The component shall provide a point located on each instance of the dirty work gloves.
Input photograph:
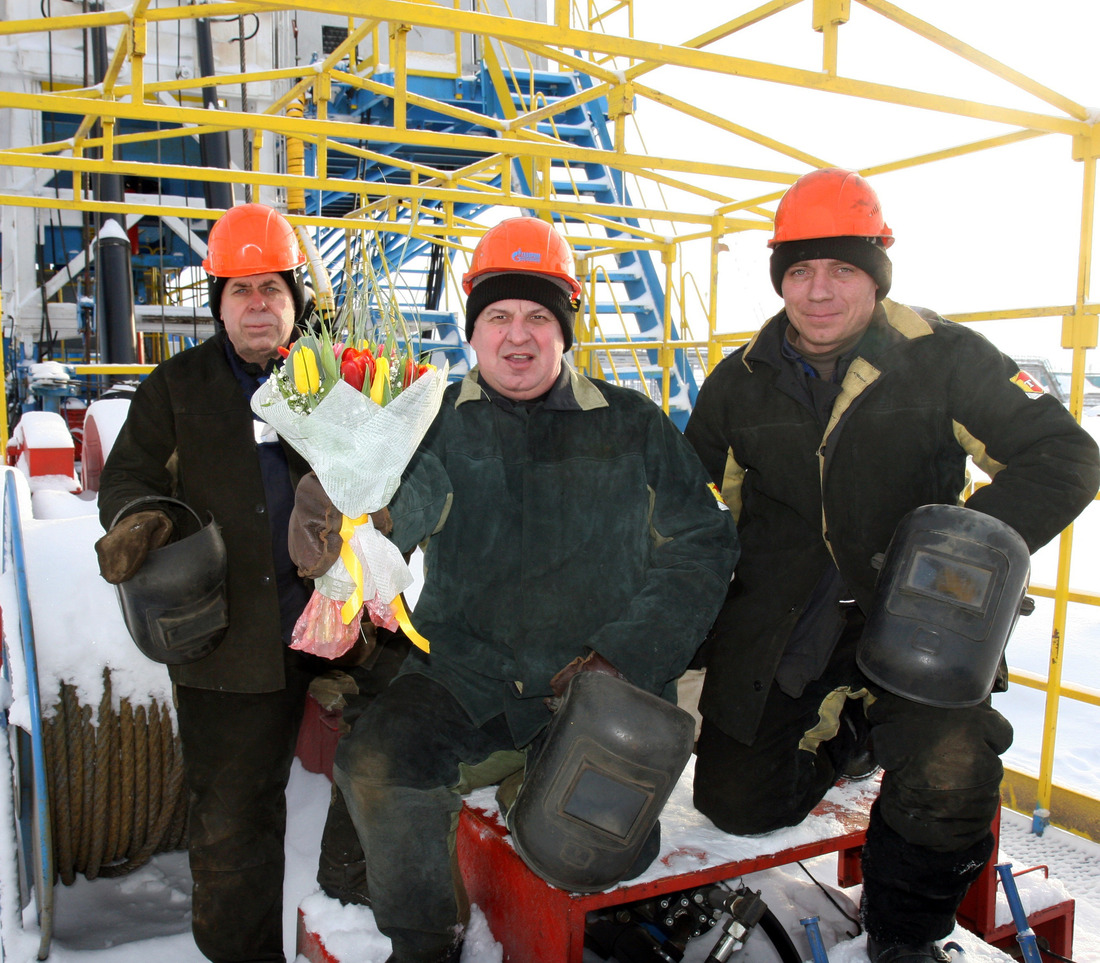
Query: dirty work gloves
(314, 535)
(123, 549)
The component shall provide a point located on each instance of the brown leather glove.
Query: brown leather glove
(314, 534)
(593, 662)
(382, 521)
(123, 549)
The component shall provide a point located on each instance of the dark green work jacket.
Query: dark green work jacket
(583, 521)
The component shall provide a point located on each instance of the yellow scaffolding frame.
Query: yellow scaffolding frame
(594, 36)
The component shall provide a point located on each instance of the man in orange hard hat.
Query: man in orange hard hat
(846, 414)
(191, 434)
(565, 522)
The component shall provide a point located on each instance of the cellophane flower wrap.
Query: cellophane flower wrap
(356, 409)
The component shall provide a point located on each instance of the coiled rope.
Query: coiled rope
(116, 788)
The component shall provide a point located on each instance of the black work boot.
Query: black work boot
(854, 753)
(905, 952)
(342, 867)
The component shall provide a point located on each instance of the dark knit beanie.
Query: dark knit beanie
(522, 286)
(293, 281)
(862, 252)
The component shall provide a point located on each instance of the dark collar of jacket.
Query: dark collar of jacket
(891, 324)
(571, 392)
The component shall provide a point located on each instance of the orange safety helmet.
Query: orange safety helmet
(831, 202)
(523, 244)
(251, 239)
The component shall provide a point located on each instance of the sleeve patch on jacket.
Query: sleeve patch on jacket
(718, 496)
(1027, 384)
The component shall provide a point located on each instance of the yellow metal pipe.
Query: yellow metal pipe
(1078, 337)
(1047, 592)
(519, 32)
(447, 110)
(113, 369)
(108, 140)
(666, 353)
(951, 152)
(1032, 680)
(399, 33)
(722, 123)
(257, 146)
(79, 21)
(520, 146)
(714, 350)
(1071, 810)
(137, 60)
(978, 58)
(295, 163)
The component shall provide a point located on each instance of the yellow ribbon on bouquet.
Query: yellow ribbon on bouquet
(355, 601)
(353, 565)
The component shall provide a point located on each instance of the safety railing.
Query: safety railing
(34, 827)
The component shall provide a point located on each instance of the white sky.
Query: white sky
(993, 230)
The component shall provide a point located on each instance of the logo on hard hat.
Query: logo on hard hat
(520, 256)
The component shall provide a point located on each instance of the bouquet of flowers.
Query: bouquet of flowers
(355, 402)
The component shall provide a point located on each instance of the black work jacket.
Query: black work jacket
(190, 434)
(919, 396)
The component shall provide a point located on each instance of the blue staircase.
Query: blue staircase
(413, 269)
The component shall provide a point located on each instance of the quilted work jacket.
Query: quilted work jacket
(189, 433)
(919, 396)
(583, 521)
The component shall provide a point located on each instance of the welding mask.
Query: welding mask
(176, 607)
(949, 592)
(588, 803)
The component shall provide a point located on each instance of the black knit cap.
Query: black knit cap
(865, 253)
(293, 281)
(520, 285)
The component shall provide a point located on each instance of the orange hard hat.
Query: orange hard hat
(251, 239)
(526, 245)
(831, 202)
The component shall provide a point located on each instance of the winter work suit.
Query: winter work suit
(578, 521)
(190, 433)
(818, 475)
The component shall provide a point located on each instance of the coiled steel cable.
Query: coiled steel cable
(116, 787)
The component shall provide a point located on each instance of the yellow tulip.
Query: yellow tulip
(381, 376)
(306, 377)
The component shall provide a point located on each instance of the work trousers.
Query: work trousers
(237, 753)
(929, 834)
(403, 768)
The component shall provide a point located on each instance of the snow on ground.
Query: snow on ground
(145, 916)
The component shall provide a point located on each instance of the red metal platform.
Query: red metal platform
(538, 923)
(1053, 924)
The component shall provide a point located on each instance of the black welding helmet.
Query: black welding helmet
(949, 592)
(176, 608)
(588, 803)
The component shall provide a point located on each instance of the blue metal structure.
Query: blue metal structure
(410, 259)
